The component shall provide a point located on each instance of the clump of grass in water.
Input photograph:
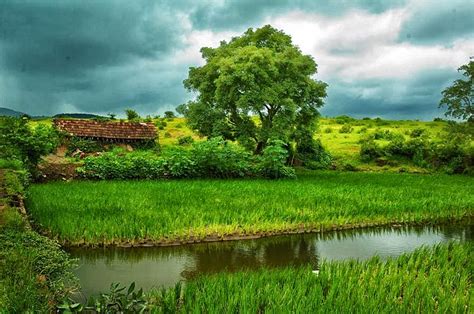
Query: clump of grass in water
(113, 211)
(432, 280)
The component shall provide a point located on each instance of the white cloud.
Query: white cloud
(363, 45)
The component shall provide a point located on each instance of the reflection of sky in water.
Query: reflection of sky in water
(383, 245)
(96, 275)
(165, 266)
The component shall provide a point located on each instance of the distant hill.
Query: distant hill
(77, 115)
(10, 113)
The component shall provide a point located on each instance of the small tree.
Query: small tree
(459, 98)
(169, 114)
(132, 115)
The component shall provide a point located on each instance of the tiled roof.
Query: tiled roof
(107, 130)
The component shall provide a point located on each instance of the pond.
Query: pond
(152, 267)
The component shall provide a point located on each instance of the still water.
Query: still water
(152, 267)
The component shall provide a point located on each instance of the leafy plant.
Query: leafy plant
(185, 140)
(273, 161)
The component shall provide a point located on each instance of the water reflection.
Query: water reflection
(164, 266)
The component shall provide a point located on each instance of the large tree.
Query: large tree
(256, 87)
(459, 98)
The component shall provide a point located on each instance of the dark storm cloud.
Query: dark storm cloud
(108, 55)
(416, 97)
(440, 23)
(53, 49)
(231, 14)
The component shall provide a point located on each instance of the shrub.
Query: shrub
(343, 119)
(20, 142)
(169, 114)
(84, 145)
(328, 130)
(369, 150)
(312, 153)
(417, 132)
(132, 115)
(221, 159)
(346, 128)
(185, 140)
(273, 160)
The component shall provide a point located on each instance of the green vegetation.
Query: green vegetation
(35, 274)
(214, 158)
(116, 211)
(24, 144)
(459, 98)
(260, 74)
(434, 280)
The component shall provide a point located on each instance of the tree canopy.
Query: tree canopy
(459, 98)
(256, 87)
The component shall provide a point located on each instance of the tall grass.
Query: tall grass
(112, 211)
(430, 280)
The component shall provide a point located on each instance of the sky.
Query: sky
(387, 59)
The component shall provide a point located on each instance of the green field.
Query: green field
(129, 211)
(344, 147)
(430, 280)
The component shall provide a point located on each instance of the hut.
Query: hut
(108, 132)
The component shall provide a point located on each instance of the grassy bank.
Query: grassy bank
(120, 211)
(35, 274)
(430, 280)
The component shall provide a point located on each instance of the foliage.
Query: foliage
(34, 271)
(260, 73)
(436, 279)
(19, 141)
(117, 300)
(84, 145)
(273, 161)
(451, 156)
(417, 132)
(346, 128)
(132, 115)
(312, 153)
(343, 119)
(217, 158)
(212, 158)
(169, 114)
(185, 140)
(179, 209)
(459, 98)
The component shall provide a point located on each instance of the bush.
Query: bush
(312, 153)
(221, 159)
(273, 160)
(328, 130)
(185, 140)
(213, 158)
(132, 115)
(84, 145)
(363, 130)
(20, 142)
(346, 128)
(448, 155)
(369, 150)
(344, 119)
(34, 270)
(417, 132)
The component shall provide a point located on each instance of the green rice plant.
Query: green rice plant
(430, 280)
(164, 210)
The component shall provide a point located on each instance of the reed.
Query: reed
(430, 280)
(116, 211)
